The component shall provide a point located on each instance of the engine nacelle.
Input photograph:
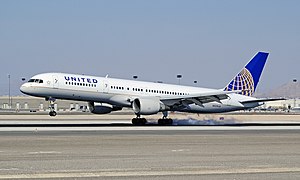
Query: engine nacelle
(147, 106)
(102, 108)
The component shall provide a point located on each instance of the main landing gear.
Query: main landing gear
(138, 121)
(165, 120)
(51, 107)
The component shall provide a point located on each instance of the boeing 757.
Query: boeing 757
(105, 94)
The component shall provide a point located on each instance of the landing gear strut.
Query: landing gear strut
(51, 107)
(138, 121)
(165, 120)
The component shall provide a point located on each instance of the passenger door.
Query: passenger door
(105, 86)
(55, 81)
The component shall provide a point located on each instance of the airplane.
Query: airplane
(105, 94)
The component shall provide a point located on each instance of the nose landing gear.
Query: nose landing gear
(51, 107)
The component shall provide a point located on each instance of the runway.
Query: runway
(117, 150)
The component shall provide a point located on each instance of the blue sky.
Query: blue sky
(208, 41)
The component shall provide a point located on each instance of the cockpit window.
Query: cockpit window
(36, 80)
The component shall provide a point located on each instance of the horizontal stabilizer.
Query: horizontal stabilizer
(263, 100)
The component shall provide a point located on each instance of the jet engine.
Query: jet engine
(102, 108)
(147, 106)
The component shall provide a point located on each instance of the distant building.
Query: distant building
(28, 103)
(288, 104)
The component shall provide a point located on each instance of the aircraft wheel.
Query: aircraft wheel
(52, 113)
(160, 122)
(165, 121)
(134, 121)
(170, 121)
(139, 121)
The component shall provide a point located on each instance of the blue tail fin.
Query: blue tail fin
(248, 78)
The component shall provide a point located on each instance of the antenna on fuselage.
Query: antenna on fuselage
(106, 76)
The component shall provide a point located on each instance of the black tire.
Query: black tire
(143, 121)
(52, 113)
(161, 122)
(134, 121)
(164, 122)
(170, 121)
(139, 121)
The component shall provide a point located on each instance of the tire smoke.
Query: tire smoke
(206, 122)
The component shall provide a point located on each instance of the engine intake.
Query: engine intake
(146, 106)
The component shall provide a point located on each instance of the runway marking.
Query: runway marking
(9, 169)
(147, 128)
(144, 172)
(180, 150)
(44, 152)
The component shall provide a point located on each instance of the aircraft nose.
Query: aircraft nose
(24, 88)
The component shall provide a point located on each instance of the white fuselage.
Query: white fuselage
(121, 93)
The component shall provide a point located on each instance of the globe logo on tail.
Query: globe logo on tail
(243, 81)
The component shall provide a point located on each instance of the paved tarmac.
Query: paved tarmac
(117, 150)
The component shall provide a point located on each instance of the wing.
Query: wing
(199, 99)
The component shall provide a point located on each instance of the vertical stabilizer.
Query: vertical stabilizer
(249, 76)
